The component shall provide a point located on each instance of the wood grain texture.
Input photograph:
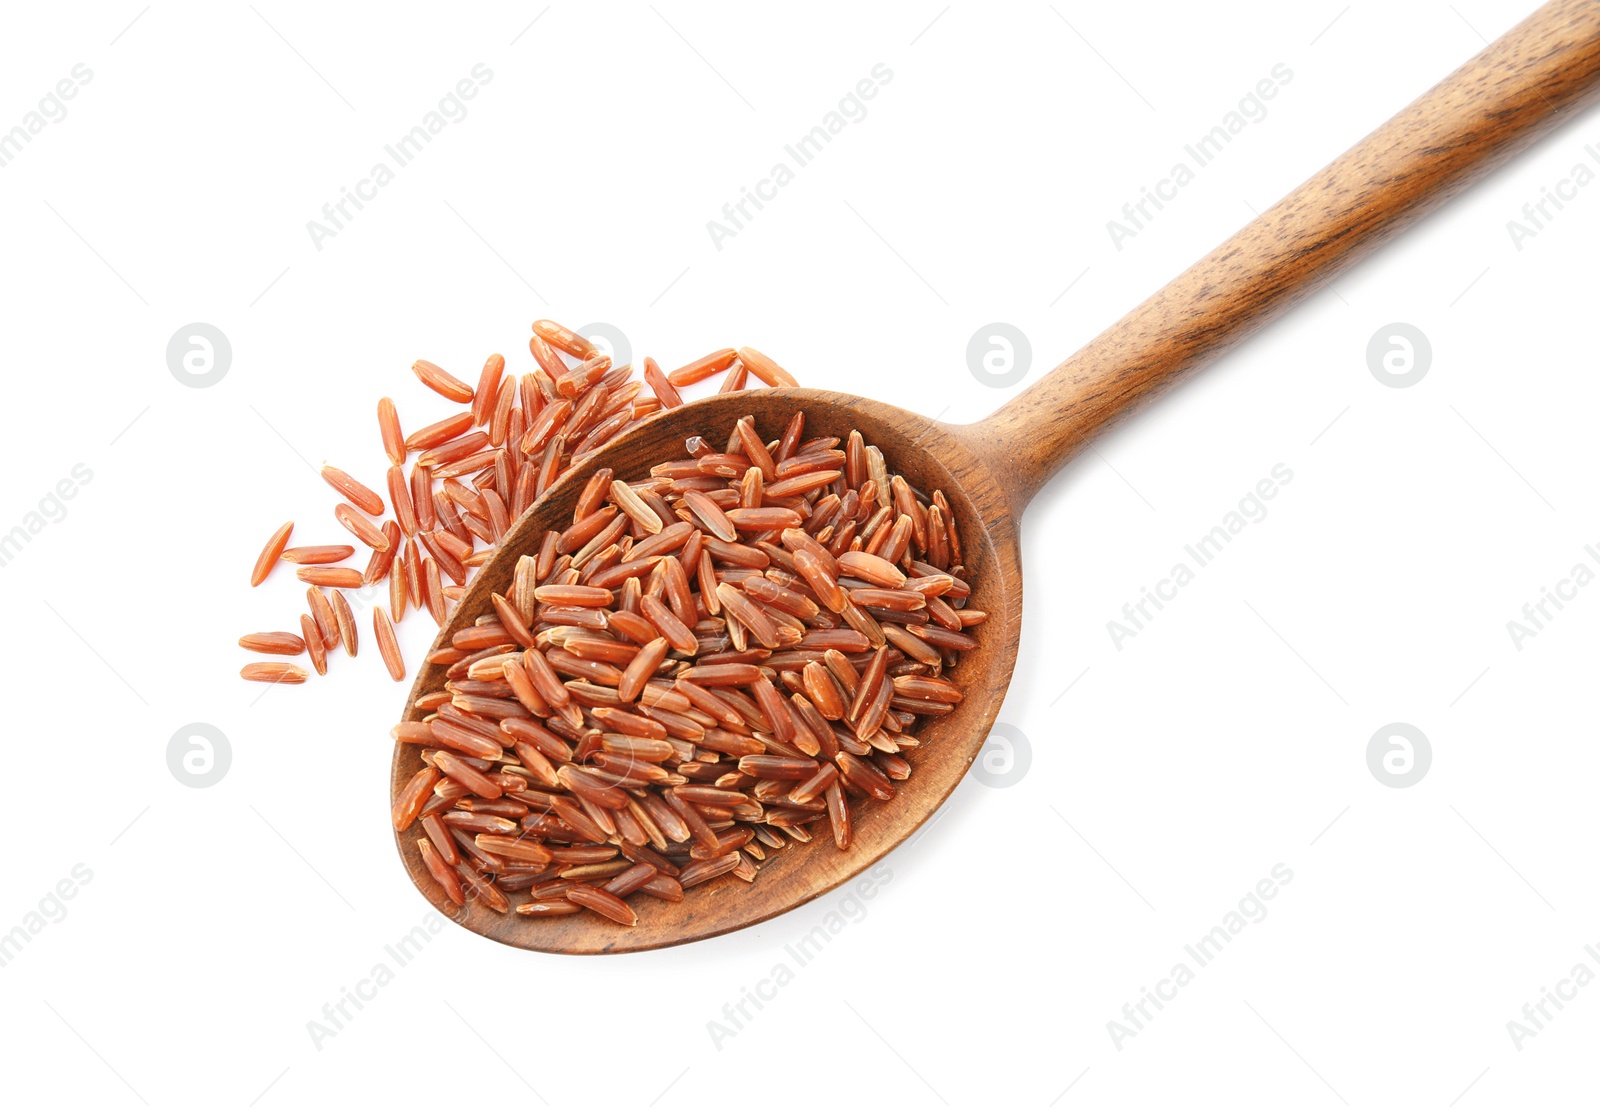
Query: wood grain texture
(930, 458)
(1538, 73)
(1535, 76)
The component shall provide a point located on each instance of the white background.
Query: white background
(1227, 737)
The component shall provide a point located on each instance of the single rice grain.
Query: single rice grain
(277, 641)
(270, 553)
(388, 647)
(319, 554)
(346, 620)
(353, 489)
(314, 644)
(440, 381)
(273, 672)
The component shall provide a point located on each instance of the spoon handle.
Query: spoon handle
(1535, 76)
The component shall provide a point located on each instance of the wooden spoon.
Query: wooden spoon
(1534, 77)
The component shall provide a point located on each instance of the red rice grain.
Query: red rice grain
(440, 432)
(441, 871)
(704, 367)
(346, 620)
(319, 554)
(388, 647)
(367, 533)
(279, 641)
(354, 490)
(270, 553)
(314, 644)
(322, 612)
(563, 338)
(488, 388)
(440, 381)
(329, 576)
(394, 445)
(606, 904)
(763, 368)
(272, 672)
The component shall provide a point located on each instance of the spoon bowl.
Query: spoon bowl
(932, 457)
